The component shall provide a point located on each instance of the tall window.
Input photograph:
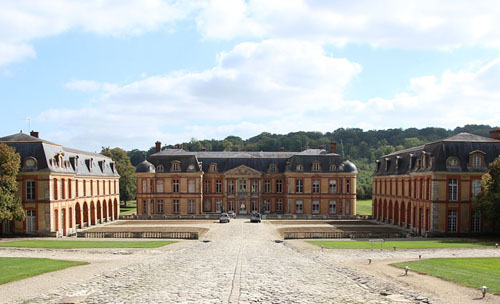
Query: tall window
(316, 186)
(55, 189)
(191, 185)
(242, 186)
(218, 186)
(476, 187)
(30, 190)
(254, 206)
(175, 166)
(255, 186)
(175, 206)
(230, 206)
(315, 166)
(348, 186)
(341, 189)
(267, 186)
(453, 189)
(266, 206)
(84, 188)
(279, 186)
(332, 208)
(340, 207)
(144, 207)
(279, 205)
(144, 186)
(218, 205)
(159, 185)
(230, 186)
(315, 207)
(476, 222)
(207, 205)
(298, 206)
(152, 206)
(299, 186)
(175, 185)
(191, 206)
(332, 186)
(452, 220)
(98, 187)
(347, 207)
(77, 185)
(61, 189)
(206, 186)
(476, 161)
(160, 206)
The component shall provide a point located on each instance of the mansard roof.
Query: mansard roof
(260, 161)
(55, 158)
(436, 154)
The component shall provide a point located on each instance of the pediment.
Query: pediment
(243, 170)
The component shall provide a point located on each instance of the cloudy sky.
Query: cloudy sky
(126, 73)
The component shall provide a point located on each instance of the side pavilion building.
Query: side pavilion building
(175, 182)
(61, 189)
(429, 189)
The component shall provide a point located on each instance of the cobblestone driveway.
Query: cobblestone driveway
(240, 264)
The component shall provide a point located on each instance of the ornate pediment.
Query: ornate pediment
(243, 171)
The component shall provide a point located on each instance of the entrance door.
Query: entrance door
(243, 207)
(30, 221)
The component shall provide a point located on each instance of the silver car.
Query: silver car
(255, 218)
(224, 218)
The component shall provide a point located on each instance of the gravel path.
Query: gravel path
(241, 264)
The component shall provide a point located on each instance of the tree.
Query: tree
(136, 156)
(126, 171)
(488, 201)
(10, 204)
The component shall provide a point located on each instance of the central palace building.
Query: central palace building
(181, 183)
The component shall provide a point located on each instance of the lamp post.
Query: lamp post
(406, 270)
(484, 289)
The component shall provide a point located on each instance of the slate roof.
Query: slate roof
(438, 152)
(73, 161)
(260, 161)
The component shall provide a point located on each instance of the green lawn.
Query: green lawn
(13, 269)
(400, 244)
(364, 207)
(472, 272)
(84, 244)
(129, 209)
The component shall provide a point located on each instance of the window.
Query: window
(254, 205)
(30, 189)
(30, 163)
(144, 186)
(348, 186)
(452, 162)
(242, 186)
(333, 167)
(230, 206)
(279, 186)
(30, 221)
(341, 189)
(191, 185)
(299, 168)
(160, 169)
(476, 222)
(191, 206)
(279, 205)
(315, 207)
(315, 166)
(272, 168)
(332, 186)
(218, 186)
(84, 188)
(175, 186)
(160, 207)
(152, 206)
(340, 207)
(207, 186)
(316, 186)
(298, 206)
(230, 186)
(61, 189)
(207, 205)
(476, 187)
(151, 186)
(267, 186)
(332, 207)
(347, 207)
(159, 185)
(144, 207)
(77, 185)
(299, 186)
(55, 189)
(255, 186)
(453, 189)
(176, 166)
(91, 187)
(218, 205)
(265, 208)
(452, 220)
(477, 161)
(175, 206)
(212, 168)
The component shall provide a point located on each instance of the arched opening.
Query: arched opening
(78, 216)
(384, 210)
(99, 212)
(105, 211)
(86, 218)
(110, 210)
(380, 212)
(116, 209)
(402, 215)
(408, 214)
(390, 218)
(374, 208)
(92, 213)
(396, 213)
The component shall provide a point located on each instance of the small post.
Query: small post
(484, 289)
(406, 270)
(369, 261)
(496, 245)
(419, 256)
(394, 248)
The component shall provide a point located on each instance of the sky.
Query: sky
(88, 74)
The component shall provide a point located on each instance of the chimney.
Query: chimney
(158, 146)
(282, 149)
(495, 134)
(34, 134)
(333, 147)
(203, 149)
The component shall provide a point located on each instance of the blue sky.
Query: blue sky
(127, 73)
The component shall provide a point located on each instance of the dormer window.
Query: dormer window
(112, 166)
(191, 168)
(176, 166)
(333, 167)
(315, 166)
(30, 163)
(299, 168)
(452, 162)
(477, 159)
(377, 162)
(272, 168)
(387, 164)
(160, 169)
(212, 167)
(398, 159)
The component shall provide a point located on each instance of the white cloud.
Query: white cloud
(89, 86)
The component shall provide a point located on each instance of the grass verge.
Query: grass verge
(84, 244)
(129, 209)
(364, 207)
(13, 269)
(389, 245)
(472, 272)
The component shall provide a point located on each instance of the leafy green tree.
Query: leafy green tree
(488, 201)
(10, 204)
(126, 171)
(136, 156)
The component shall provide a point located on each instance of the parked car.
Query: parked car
(255, 218)
(224, 218)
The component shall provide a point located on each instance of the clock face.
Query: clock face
(30, 162)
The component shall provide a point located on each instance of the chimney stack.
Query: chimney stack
(203, 149)
(333, 147)
(34, 134)
(495, 134)
(158, 146)
(282, 149)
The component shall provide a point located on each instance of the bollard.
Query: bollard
(406, 270)
(369, 261)
(484, 289)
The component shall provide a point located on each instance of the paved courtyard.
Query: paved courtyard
(241, 263)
